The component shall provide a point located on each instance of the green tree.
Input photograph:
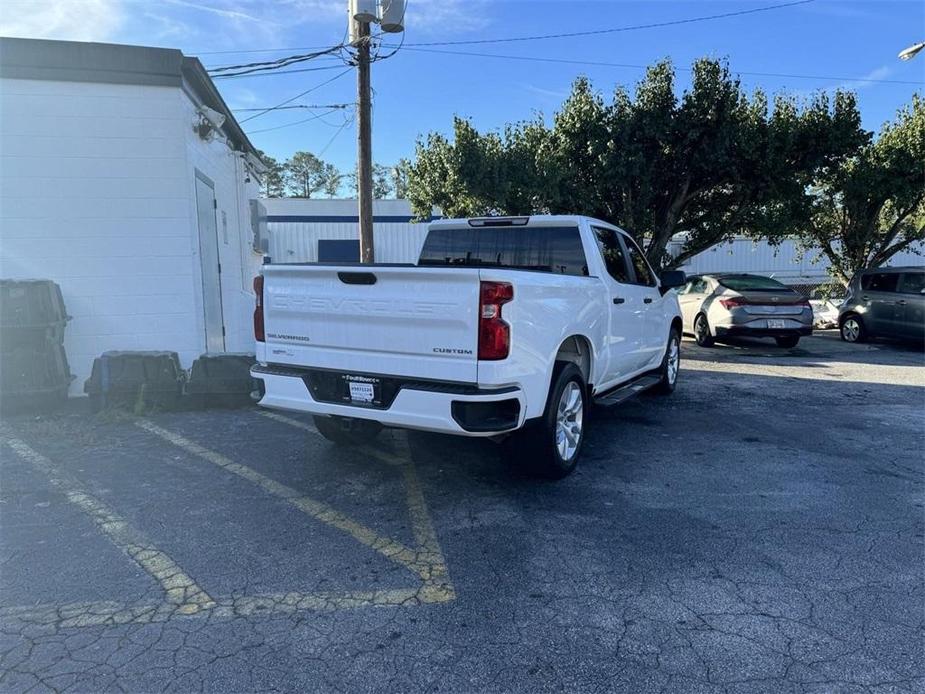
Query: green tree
(332, 180)
(399, 174)
(871, 206)
(304, 174)
(273, 182)
(382, 181)
(712, 162)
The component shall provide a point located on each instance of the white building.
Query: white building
(296, 225)
(125, 178)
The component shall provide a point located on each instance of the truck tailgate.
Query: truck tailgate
(392, 320)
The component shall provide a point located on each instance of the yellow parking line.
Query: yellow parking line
(182, 593)
(437, 582)
(108, 613)
(395, 551)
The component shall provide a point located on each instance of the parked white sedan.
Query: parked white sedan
(825, 312)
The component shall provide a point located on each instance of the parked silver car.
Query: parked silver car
(886, 302)
(736, 305)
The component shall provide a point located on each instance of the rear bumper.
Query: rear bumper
(746, 331)
(461, 409)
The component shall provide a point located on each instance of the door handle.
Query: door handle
(619, 300)
(647, 300)
(901, 302)
(865, 298)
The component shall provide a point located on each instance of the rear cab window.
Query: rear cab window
(555, 249)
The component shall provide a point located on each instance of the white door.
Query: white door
(651, 306)
(626, 332)
(211, 267)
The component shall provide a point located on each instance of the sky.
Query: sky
(833, 43)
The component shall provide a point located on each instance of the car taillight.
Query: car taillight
(734, 302)
(804, 304)
(258, 310)
(494, 333)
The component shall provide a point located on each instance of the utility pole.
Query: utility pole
(364, 145)
(389, 15)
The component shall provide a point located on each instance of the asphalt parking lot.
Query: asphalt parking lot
(759, 531)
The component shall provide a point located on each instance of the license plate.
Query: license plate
(777, 324)
(361, 392)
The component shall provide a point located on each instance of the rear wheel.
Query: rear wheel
(852, 329)
(787, 342)
(702, 331)
(347, 431)
(550, 447)
(671, 364)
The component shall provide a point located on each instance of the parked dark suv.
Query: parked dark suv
(886, 302)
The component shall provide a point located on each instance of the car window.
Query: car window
(699, 286)
(880, 282)
(752, 283)
(912, 283)
(613, 255)
(546, 249)
(644, 274)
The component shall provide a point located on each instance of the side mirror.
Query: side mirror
(673, 278)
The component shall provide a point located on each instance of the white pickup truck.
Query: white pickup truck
(507, 327)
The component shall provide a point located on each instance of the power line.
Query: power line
(285, 108)
(273, 73)
(594, 63)
(634, 27)
(334, 137)
(280, 62)
(289, 125)
(543, 37)
(297, 96)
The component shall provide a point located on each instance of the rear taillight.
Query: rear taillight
(494, 333)
(804, 304)
(734, 302)
(258, 310)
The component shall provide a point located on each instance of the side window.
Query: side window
(699, 286)
(912, 283)
(880, 282)
(613, 255)
(644, 274)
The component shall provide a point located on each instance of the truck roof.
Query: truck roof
(535, 220)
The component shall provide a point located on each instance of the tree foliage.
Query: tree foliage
(712, 162)
(871, 206)
(273, 184)
(305, 174)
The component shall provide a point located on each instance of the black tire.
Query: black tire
(787, 342)
(851, 328)
(702, 331)
(536, 447)
(347, 431)
(668, 380)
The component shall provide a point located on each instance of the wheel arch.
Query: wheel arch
(576, 349)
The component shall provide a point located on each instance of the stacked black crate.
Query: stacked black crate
(34, 373)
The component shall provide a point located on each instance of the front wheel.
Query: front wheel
(551, 445)
(787, 342)
(852, 329)
(347, 431)
(671, 364)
